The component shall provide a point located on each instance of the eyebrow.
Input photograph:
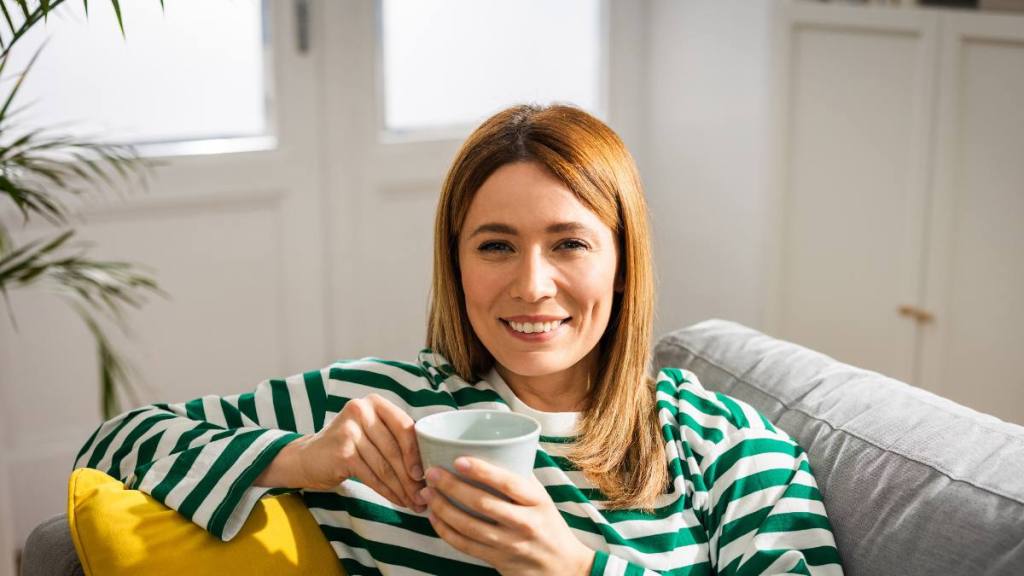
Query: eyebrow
(499, 228)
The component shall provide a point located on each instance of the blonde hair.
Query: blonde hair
(619, 447)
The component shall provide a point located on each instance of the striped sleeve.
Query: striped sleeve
(763, 512)
(753, 489)
(606, 564)
(201, 457)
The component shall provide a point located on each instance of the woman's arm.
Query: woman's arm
(753, 490)
(202, 457)
(212, 458)
(763, 512)
(371, 439)
(285, 470)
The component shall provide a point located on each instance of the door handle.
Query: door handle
(920, 315)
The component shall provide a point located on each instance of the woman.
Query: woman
(541, 304)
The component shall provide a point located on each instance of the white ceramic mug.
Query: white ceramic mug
(505, 439)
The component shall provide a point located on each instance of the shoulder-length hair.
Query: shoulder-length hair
(619, 445)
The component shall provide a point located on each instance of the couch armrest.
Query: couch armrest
(49, 550)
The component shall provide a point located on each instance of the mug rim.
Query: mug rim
(496, 442)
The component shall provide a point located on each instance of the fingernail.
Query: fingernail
(417, 498)
(433, 475)
(417, 472)
(426, 494)
(462, 464)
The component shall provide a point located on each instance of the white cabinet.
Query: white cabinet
(901, 187)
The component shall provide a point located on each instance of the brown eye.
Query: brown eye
(574, 245)
(494, 246)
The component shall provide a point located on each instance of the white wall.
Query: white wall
(706, 160)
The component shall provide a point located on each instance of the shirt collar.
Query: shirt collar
(560, 424)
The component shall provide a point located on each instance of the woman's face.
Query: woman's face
(538, 271)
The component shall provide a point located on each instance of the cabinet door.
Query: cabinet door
(971, 353)
(858, 101)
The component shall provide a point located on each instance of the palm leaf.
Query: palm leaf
(114, 369)
(69, 166)
(29, 201)
(14, 265)
(38, 171)
(7, 17)
(17, 84)
(5, 242)
(117, 12)
(106, 286)
(32, 16)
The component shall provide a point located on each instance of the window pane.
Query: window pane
(192, 71)
(454, 62)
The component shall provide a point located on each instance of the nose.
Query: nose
(534, 279)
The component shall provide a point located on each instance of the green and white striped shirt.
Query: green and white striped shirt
(742, 498)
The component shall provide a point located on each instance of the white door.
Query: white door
(858, 105)
(236, 239)
(975, 279)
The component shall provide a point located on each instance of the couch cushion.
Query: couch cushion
(119, 531)
(913, 483)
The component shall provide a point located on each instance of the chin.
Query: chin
(535, 364)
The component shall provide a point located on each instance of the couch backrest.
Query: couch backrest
(913, 483)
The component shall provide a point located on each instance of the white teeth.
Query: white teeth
(534, 327)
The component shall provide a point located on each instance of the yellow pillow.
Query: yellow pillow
(119, 531)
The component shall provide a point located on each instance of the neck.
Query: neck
(565, 391)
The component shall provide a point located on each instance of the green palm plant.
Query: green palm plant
(41, 173)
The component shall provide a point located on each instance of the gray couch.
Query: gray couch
(913, 483)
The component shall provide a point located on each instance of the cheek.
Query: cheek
(594, 285)
(478, 286)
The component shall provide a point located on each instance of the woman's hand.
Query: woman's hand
(372, 440)
(529, 535)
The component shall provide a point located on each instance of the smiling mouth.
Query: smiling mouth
(535, 327)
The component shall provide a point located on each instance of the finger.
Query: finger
(365, 475)
(458, 541)
(468, 528)
(403, 429)
(480, 501)
(381, 469)
(518, 489)
(384, 439)
(387, 446)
